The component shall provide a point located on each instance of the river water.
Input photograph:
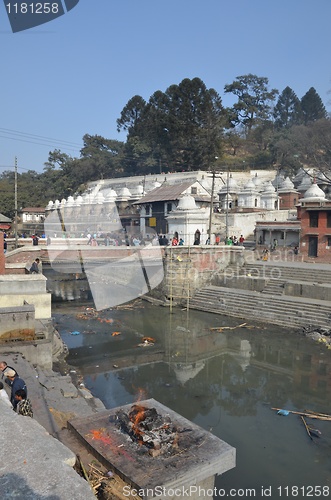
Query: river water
(226, 381)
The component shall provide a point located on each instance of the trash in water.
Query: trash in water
(75, 333)
(148, 339)
(283, 412)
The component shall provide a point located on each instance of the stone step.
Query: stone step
(258, 315)
(265, 301)
(251, 304)
(263, 312)
(288, 273)
(251, 295)
(274, 287)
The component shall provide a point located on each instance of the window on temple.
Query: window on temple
(313, 219)
(328, 219)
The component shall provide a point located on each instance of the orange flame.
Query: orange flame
(137, 417)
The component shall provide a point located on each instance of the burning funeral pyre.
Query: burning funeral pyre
(149, 445)
(145, 426)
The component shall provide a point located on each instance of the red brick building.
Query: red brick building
(314, 213)
(288, 196)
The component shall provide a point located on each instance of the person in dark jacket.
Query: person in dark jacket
(16, 384)
(34, 269)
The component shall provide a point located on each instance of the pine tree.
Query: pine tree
(287, 111)
(312, 107)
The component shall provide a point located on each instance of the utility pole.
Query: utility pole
(211, 206)
(227, 206)
(16, 236)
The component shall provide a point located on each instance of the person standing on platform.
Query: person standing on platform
(16, 384)
(24, 406)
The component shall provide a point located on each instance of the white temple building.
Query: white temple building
(189, 221)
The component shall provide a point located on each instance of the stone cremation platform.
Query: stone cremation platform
(154, 449)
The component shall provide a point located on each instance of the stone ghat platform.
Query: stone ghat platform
(195, 460)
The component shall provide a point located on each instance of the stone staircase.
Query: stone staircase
(274, 287)
(286, 311)
(289, 271)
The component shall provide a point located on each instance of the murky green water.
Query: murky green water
(225, 381)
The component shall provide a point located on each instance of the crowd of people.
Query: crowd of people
(18, 397)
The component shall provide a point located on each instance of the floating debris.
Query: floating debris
(75, 333)
(115, 334)
(221, 328)
(148, 339)
(320, 335)
(146, 343)
(319, 416)
(314, 432)
(306, 426)
(284, 413)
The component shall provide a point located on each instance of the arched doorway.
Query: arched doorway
(197, 236)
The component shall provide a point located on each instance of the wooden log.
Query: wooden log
(306, 426)
(318, 413)
(220, 328)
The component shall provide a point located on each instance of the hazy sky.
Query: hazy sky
(75, 74)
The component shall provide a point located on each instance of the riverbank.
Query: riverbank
(56, 398)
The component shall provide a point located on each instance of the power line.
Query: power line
(39, 143)
(35, 136)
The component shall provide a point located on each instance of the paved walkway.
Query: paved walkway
(35, 465)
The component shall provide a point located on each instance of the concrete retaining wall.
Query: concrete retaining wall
(30, 289)
(187, 269)
(308, 290)
(17, 323)
(242, 282)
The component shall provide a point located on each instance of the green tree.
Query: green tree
(181, 127)
(254, 100)
(7, 183)
(313, 145)
(58, 178)
(312, 107)
(287, 111)
(100, 158)
(131, 113)
(233, 142)
(284, 150)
